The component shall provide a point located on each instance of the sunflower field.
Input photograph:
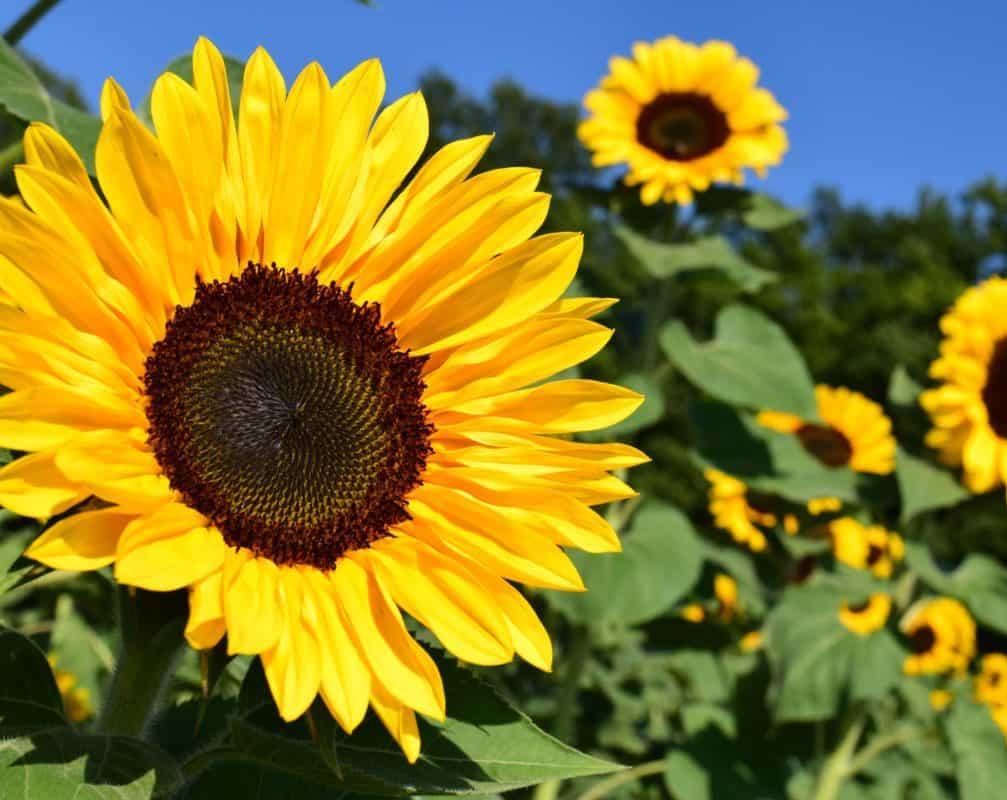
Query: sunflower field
(361, 446)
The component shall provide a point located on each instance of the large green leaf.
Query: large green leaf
(23, 96)
(979, 582)
(63, 765)
(766, 213)
(713, 252)
(29, 699)
(750, 362)
(817, 662)
(924, 487)
(979, 749)
(659, 563)
(708, 767)
(484, 747)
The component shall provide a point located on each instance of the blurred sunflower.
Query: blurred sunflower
(942, 637)
(856, 433)
(969, 409)
(991, 682)
(739, 512)
(301, 398)
(940, 699)
(683, 116)
(867, 617)
(76, 699)
(870, 547)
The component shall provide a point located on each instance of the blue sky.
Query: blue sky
(884, 96)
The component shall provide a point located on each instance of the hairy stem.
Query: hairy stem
(879, 745)
(17, 31)
(602, 788)
(151, 624)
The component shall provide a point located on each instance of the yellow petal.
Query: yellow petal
(33, 486)
(170, 549)
(81, 542)
(398, 718)
(205, 627)
(293, 665)
(251, 604)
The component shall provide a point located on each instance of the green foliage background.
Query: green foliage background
(819, 713)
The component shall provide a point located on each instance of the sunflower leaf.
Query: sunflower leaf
(750, 362)
(485, 746)
(978, 746)
(712, 252)
(659, 563)
(817, 662)
(29, 699)
(979, 582)
(23, 96)
(925, 487)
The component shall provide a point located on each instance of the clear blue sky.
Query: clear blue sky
(883, 95)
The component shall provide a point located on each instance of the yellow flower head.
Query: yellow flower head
(854, 433)
(693, 612)
(940, 699)
(969, 409)
(682, 116)
(942, 637)
(824, 505)
(991, 683)
(866, 618)
(734, 510)
(751, 642)
(76, 699)
(307, 390)
(725, 589)
(866, 546)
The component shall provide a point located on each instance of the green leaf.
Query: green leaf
(979, 582)
(766, 213)
(58, 764)
(750, 362)
(712, 252)
(78, 649)
(23, 96)
(817, 662)
(707, 767)
(659, 563)
(484, 747)
(902, 389)
(979, 749)
(701, 672)
(29, 699)
(925, 487)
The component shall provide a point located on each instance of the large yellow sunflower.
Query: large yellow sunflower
(870, 547)
(856, 433)
(298, 389)
(969, 409)
(682, 116)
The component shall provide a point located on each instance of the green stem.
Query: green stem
(151, 624)
(16, 32)
(602, 788)
(836, 767)
(11, 155)
(566, 704)
(879, 745)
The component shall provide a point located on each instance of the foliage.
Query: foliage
(737, 305)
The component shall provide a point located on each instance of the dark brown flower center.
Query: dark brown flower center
(922, 639)
(874, 554)
(858, 608)
(682, 126)
(288, 415)
(995, 390)
(826, 444)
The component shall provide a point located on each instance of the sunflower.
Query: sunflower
(682, 116)
(867, 617)
(751, 642)
(940, 699)
(739, 512)
(870, 547)
(969, 409)
(853, 432)
(76, 699)
(942, 637)
(991, 683)
(298, 389)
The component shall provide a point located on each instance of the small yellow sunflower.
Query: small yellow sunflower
(942, 637)
(869, 547)
(867, 617)
(940, 699)
(76, 699)
(991, 683)
(969, 409)
(751, 642)
(739, 512)
(307, 392)
(683, 116)
(855, 431)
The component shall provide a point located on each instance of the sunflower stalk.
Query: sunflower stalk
(151, 626)
(836, 768)
(28, 20)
